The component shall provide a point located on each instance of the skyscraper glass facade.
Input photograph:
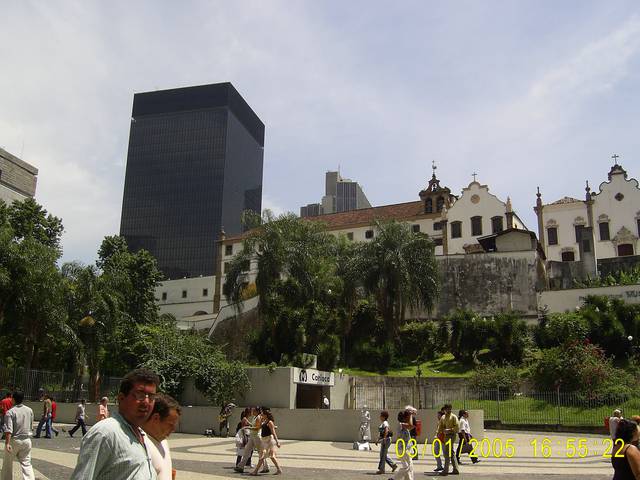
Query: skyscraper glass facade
(194, 165)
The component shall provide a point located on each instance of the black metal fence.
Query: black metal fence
(530, 408)
(64, 387)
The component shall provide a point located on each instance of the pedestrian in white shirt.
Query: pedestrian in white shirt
(464, 437)
(18, 422)
(161, 423)
(613, 423)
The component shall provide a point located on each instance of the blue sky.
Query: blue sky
(524, 93)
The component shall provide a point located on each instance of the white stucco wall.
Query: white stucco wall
(564, 217)
(620, 213)
(195, 300)
(559, 301)
(487, 207)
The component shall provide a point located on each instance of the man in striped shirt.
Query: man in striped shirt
(114, 449)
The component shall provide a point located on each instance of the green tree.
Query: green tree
(400, 272)
(30, 284)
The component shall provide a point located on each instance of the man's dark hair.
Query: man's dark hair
(51, 398)
(625, 430)
(384, 414)
(140, 375)
(18, 397)
(164, 404)
(447, 406)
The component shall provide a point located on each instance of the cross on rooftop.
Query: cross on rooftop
(474, 174)
(433, 167)
(615, 157)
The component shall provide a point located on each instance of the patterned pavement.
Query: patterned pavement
(555, 457)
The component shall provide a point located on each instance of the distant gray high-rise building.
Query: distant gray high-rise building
(341, 195)
(194, 165)
(18, 179)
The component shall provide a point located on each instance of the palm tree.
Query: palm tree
(400, 271)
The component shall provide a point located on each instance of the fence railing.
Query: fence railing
(64, 387)
(531, 408)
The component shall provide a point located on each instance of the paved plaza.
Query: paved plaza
(198, 457)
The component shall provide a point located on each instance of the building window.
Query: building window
(568, 256)
(228, 250)
(440, 204)
(496, 224)
(205, 292)
(476, 226)
(456, 229)
(638, 221)
(350, 236)
(227, 265)
(428, 205)
(164, 295)
(625, 250)
(604, 231)
(368, 234)
(586, 245)
(437, 226)
(415, 228)
(552, 235)
(438, 242)
(184, 294)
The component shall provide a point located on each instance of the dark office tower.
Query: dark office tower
(194, 165)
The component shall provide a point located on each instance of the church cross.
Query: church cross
(615, 157)
(433, 167)
(474, 174)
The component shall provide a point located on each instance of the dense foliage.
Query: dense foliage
(312, 286)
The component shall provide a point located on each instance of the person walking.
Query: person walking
(437, 446)
(161, 423)
(413, 430)
(45, 420)
(269, 442)
(613, 423)
(17, 442)
(54, 412)
(384, 438)
(80, 418)
(223, 418)
(242, 436)
(464, 437)
(255, 426)
(115, 448)
(6, 404)
(103, 409)
(449, 427)
(405, 472)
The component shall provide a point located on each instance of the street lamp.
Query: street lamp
(418, 375)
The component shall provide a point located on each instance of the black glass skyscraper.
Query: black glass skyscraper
(194, 165)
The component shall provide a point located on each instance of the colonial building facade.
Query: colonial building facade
(608, 220)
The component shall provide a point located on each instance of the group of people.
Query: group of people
(625, 454)
(257, 431)
(130, 443)
(449, 426)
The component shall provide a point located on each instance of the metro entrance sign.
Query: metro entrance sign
(310, 376)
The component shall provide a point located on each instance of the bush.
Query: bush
(469, 334)
(556, 329)
(418, 341)
(509, 338)
(580, 367)
(493, 377)
(371, 357)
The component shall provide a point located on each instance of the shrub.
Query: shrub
(418, 341)
(556, 329)
(468, 335)
(372, 357)
(509, 338)
(580, 367)
(493, 377)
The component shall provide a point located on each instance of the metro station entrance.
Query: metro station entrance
(311, 385)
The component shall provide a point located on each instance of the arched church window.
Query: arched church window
(440, 204)
(476, 226)
(496, 224)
